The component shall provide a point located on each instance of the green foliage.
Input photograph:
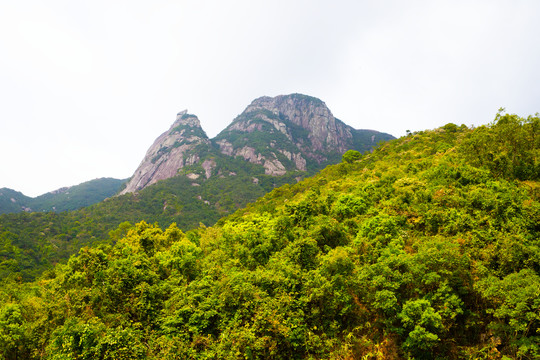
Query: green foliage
(32, 243)
(413, 251)
(12, 332)
(65, 199)
(515, 307)
(509, 147)
(351, 156)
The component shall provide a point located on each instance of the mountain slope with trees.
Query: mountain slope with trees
(64, 199)
(187, 179)
(426, 248)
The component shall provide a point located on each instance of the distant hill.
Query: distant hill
(12, 201)
(67, 198)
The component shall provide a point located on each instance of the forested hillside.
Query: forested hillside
(64, 199)
(427, 248)
(185, 178)
(31, 243)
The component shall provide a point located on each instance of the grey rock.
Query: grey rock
(283, 133)
(169, 153)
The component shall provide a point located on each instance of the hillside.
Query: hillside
(64, 199)
(188, 179)
(426, 248)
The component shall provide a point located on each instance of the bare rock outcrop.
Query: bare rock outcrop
(299, 127)
(278, 134)
(171, 151)
(325, 132)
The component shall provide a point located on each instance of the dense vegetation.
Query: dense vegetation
(33, 242)
(72, 198)
(426, 248)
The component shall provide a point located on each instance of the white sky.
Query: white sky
(86, 86)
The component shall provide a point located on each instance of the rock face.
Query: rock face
(172, 150)
(282, 134)
(292, 132)
(324, 132)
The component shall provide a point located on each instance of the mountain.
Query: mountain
(64, 199)
(181, 145)
(12, 201)
(425, 248)
(300, 133)
(187, 179)
(282, 135)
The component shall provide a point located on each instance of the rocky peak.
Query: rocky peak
(282, 134)
(286, 132)
(185, 120)
(170, 152)
(325, 132)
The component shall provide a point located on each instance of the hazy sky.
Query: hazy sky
(86, 86)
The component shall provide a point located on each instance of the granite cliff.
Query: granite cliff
(181, 145)
(282, 135)
(292, 132)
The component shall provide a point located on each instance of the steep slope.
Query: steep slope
(64, 199)
(424, 249)
(181, 145)
(292, 132)
(300, 127)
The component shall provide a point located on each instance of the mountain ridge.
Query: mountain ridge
(198, 182)
(283, 134)
(62, 199)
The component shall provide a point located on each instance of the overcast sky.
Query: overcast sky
(87, 86)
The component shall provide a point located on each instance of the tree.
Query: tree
(351, 156)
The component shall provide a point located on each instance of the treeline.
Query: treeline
(418, 250)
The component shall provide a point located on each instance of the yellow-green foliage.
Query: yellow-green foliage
(416, 250)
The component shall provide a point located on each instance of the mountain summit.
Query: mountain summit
(292, 132)
(282, 134)
(170, 152)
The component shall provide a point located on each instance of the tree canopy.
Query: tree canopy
(421, 249)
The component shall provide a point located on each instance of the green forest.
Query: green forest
(65, 199)
(426, 248)
(31, 243)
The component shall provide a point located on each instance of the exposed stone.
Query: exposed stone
(287, 154)
(225, 147)
(169, 153)
(300, 162)
(297, 127)
(325, 133)
(208, 166)
(274, 167)
(248, 153)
